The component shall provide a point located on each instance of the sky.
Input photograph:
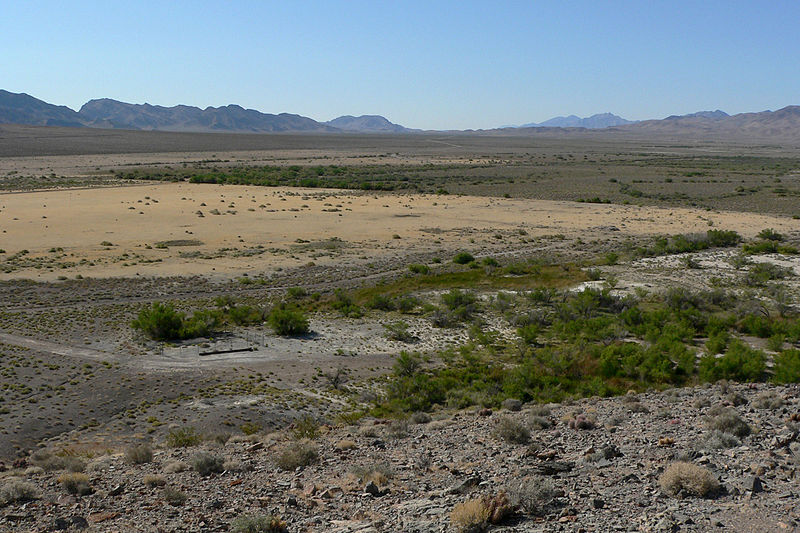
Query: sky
(423, 64)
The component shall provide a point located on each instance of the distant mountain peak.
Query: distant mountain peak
(366, 124)
(598, 121)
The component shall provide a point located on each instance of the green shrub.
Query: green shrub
(183, 437)
(490, 262)
(305, 428)
(399, 331)
(419, 269)
(407, 304)
(296, 293)
(770, 234)
(344, 303)
(258, 524)
(245, 315)
(160, 322)
(381, 302)
(787, 367)
(740, 363)
(463, 258)
(288, 320)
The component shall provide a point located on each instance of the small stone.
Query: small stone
(291, 501)
(60, 524)
(79, 522)
(485, 412)
(116, 491)
(597, 503)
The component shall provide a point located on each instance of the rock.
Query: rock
(466, 485)
(117, 490)
(79, 522)
(598, 503)
(372, 489)
(291, 501)
(60, 524)
(485, 412)
(551, 468)
(255, 447)
(753, 484)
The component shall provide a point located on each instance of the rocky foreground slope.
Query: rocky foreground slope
(594, 465)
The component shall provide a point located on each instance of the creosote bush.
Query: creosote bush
(183, 437)
(688, 478)
(463, 258)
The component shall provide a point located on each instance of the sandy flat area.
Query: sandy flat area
(256, 229)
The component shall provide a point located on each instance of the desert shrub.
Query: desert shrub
(529, 333)
(419, 269)
(769, 234)
(512, 404)
(540, 422)
(174, 497)
(206, 464)
(407, 364)
(344, 303)
(787, 367)
(236, 466)
(397, 429)
(75, 483)
(183, 437)
(18, 491)
(419, 417)
(138, 455)
(471, 516)
(719, 440)
(511, 431)
(740, 363)
(463, 258)
(399, 331)
(296, 454)
(296, 293)
(768, 400)
(245, 315)
(532, 495)
(287, 320)
(490, 262)
(760, 273)
(717, 342)
(152, 480)
(381, 302)
(688, 478)
(49, 462)
(407, 304)
(775, 342)
(305, 428)
(728, 421)
(160, 322)
(258, 524)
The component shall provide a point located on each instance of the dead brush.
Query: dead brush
(688, 478)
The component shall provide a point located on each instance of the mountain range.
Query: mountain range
(20, 108)
(111, 114)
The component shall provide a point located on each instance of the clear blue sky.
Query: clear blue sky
(424, 64)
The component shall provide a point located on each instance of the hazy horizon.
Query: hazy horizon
(446, 65)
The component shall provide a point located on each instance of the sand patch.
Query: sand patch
(185, 229)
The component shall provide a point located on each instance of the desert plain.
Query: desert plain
(430, 275)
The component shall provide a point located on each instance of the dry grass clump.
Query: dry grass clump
(258, 524)
(296, 454)
(139, 455)
(236, 466)
(51, 462)
(18, 491)
(473, 516)
(512, 431)
(420, 417)
(719, 440)
(397, 429)
(688, 478)
(152, 480)
(173, 467)
(345, 445)
(728, 421)
(75, 483)
(532, 495)
(378, 473)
